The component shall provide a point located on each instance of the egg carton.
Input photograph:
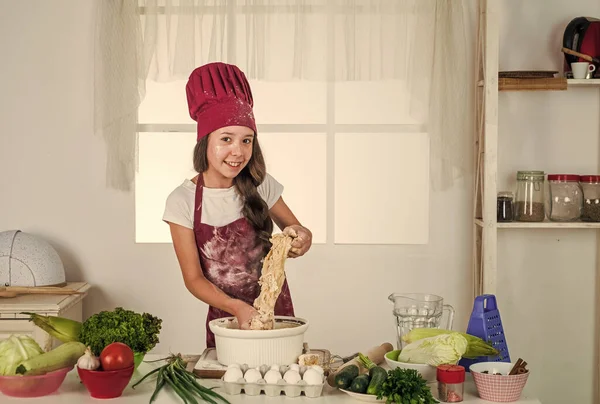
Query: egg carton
(274, 389)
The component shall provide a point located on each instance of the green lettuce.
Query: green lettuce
(139, 331)
(14, 350)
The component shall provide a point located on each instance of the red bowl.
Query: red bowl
(33, 386)
(105, 383)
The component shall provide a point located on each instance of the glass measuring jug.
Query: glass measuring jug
(419, 310)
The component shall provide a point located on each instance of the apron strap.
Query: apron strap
(198, 201)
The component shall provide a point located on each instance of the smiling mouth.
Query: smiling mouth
(233, 164)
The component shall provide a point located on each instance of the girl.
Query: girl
(222, 219)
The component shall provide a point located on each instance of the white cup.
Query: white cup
(582, 69)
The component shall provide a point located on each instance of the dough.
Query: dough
(271, 281)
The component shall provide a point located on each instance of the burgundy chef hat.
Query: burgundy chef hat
(219, 95)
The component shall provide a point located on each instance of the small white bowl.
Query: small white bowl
(428, 372)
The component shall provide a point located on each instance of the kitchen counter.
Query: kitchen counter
(72, 391)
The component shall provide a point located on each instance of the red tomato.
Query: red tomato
(116, 356)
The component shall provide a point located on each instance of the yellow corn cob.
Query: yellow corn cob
(63, 329)
(475, 345)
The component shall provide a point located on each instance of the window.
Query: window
(354, 165)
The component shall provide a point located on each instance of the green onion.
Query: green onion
(175, 375)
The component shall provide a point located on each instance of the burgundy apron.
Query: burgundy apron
(231, 258)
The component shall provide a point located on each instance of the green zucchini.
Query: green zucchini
(378, 375)
(360, 384)
(63, 356)
(344, 378)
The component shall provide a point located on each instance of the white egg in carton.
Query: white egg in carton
(293, 380)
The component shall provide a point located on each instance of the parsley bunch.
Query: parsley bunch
(405, 386)
(138, 331)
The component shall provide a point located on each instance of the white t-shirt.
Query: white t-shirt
(220, 206)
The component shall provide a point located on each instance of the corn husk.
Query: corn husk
(63, 329)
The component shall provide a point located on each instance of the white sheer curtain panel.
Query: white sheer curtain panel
(119, 86)
(424, 43)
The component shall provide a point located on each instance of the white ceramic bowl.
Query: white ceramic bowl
(428, 372)
(498, 388)
(281, 345)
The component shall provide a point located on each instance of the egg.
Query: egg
(312, 376)
(233, 375)
(252, 375)
(234, 365)
(292, 377)
(272, 376)
(263, 369)
(275, 367)
(318, 369)
(295, 366)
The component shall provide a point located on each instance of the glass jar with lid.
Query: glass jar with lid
(565, 197)
(504, 207)
(529, 198)
(590, 184)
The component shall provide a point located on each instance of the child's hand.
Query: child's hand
(244, 314)
(302, 240)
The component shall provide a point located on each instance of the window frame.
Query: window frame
(329, 128)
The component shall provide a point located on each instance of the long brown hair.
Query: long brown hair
(254, 208)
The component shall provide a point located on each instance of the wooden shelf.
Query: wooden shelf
(543, 225)
(486, 251)
(543, 85)
(540, 84)
(583, 82)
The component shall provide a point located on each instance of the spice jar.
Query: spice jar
(590, 184)
(529, 199)
(451, 379)
(504, 210)
(565, 197)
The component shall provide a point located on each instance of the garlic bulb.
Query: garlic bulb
(88, 361)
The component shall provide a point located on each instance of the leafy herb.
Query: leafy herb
(405, 386)
(175, 375)
(138, 331)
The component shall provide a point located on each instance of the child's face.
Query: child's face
(229, 150)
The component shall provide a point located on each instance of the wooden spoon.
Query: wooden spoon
(581, 55)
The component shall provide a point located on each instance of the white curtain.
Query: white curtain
(425, 43)
(119, 87)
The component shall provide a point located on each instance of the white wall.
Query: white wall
(56, 190)
(53, 186)
(547, 278)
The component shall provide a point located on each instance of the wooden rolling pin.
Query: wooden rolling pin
(376, 354)
(14, 291)
(581, 55)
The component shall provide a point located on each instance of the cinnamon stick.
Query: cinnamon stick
(518, 368)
